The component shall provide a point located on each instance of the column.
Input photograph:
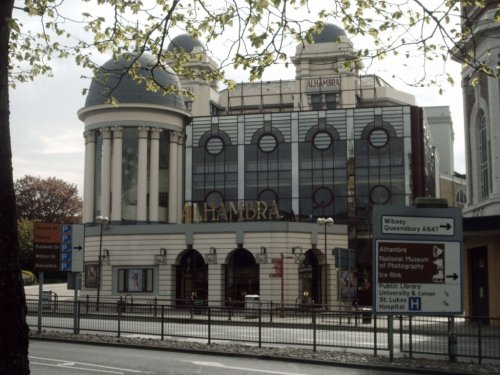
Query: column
(494, 135)
(154, 165)
(105, 171)
(172, 176)
(116, 180)
(295, 164)
(142, 174)
(88, 187)
(180, 177)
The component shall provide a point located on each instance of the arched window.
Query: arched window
(268, 172)
(215, 169)
(484, 175)
(379, 169)
(242, 276)
(323, 173)
(191, 278)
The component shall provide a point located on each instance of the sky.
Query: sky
(47, 136)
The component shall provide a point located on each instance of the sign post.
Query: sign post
(57, 247)
(417, 260)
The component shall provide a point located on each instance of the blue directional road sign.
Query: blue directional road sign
(58, 247)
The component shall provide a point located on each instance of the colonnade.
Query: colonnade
(147, 175)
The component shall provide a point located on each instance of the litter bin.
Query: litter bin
(198, 304)
(366, 315)
(252, 305)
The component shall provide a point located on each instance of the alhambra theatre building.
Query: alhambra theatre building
(246, 192)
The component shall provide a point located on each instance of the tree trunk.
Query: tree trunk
(13, 328)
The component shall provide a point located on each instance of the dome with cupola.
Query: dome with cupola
(113, 80)
(330, 33)
(185, 42)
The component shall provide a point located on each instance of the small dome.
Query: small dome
(112, 81)
(185, 42)
(329, 34)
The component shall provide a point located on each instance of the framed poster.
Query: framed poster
(135, 280)
(91, 272)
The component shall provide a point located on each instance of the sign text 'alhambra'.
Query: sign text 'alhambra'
(231, 212)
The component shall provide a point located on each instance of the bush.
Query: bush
(29, 277)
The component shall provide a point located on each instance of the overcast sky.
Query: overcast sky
(47, 136)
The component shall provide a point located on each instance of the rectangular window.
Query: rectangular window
(483, 160)
(316, 102)
(135, 280)
(324, 101)
(331, 101)
(214, 111)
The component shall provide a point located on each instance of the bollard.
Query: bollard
(452, 340)
(230, 311)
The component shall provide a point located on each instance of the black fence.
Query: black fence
(476, 338)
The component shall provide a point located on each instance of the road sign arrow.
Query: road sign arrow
(77, 247)
(447, 226)
(454, 276)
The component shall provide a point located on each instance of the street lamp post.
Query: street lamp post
(101, 220)
(325, 221)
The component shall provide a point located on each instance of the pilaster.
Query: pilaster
(180, 177)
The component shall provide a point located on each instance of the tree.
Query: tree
(258, 33)
(49, 200)
(255, 33)
(14, 342)
(25, 231)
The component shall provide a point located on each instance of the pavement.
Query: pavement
(344, 358)
(60, 289)
(420, 365)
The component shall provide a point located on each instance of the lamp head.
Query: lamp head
(325, 221)
(101, 219)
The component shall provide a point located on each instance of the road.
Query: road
(52, 358)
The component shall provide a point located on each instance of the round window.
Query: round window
(378, 137)
(268, 196)
(214, 199)
(323, 197)
(380, 194)
(322, 140)
(268, 143)
(215, 145)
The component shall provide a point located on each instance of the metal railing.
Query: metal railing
(477, 338)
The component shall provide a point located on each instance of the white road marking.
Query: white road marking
(78, 368)
(221, 365)
(91, 367)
